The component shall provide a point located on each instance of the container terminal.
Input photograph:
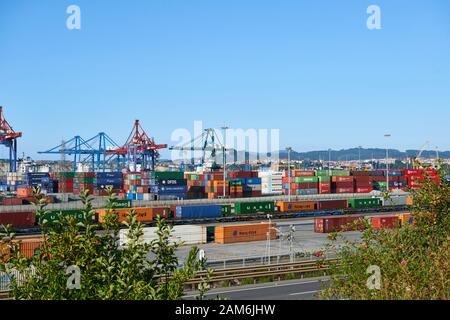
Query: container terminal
(207, 202)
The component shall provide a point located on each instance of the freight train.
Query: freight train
(238, 211)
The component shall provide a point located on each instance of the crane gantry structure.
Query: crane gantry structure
(8, 137)
(103, 153)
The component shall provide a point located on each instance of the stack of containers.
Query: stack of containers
(342, 184)
(324, 184)
(132, 185)
(169, 184)
(65, 182)
(104, 180)
(271, 182)
(195, 186)
(14, 180)
(363, 182)
(83, 181)
(244, 184)
(40, 179)
(416, 177)
(397, 180)
(236, 188)
(215, 185)
(378, 179)
(301, 183)
(3, 185)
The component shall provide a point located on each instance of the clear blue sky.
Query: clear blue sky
(310, 68)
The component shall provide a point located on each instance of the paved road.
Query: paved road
(307, 289)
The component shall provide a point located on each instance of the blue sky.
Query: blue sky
(309, 68)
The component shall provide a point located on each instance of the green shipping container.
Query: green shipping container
(324, 179)
(254, 207)
(321, 173)
(306, 179)
(119, 203)
(54, 215)
(364, 203)
(340, 173)
(210, 234)
(66, 174)
(168, 175)
(236, 183)
(226, 209)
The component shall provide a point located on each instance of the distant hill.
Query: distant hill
(366, 154)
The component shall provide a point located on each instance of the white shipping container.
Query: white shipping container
(189, 235)
(394, 201)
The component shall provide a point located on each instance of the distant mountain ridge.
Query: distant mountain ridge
(366, 154)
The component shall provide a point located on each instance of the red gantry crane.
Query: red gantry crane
(8, 137)
(140, 149)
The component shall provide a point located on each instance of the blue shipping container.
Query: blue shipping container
(254, 181)
(173, 189)
(198, 212)
(171, 182)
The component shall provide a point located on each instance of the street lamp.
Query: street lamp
(359, 163)
(329, 162)
(224, 150)
(387, 161)
(269, 237)
(289, 149)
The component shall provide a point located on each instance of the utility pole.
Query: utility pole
(224, 150)
(269, 238)
(329, 162)
(289, 149)
(291, 242)
(387, 161)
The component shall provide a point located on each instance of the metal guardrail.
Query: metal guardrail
(100, 203)
(264, 271)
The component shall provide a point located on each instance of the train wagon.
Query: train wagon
(297, 206)
(254, 207)
(364, 203)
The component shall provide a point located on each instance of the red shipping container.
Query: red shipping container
(363, 184)
(390, 222)
(364, 190)
(12, 201)
(342, 185)
(413, 172)
(359, 179)
(18, 219)
(335, 224)
(324, 187)
(332, 205)
(344, 190)
(377, 179)
(343, 179)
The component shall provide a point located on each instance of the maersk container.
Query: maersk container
(254, 207)
(364, 203)
(198, 212)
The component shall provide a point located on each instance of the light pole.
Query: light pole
(224, 150)
(387, 161)
(289, 149)
(329, 162)
(359, 163)
(269, 237)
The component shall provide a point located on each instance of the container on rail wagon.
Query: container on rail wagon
(24, 219)
(198, 212)
(143, 214)
(297, 206)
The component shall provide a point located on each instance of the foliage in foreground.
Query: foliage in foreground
(413, 260)
(108, 271)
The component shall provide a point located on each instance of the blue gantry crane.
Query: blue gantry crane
(98, 151)
(8, 137)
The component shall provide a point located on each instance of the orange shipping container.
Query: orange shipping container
(244, 233)
(143, 214)
(297, 206)
(406, 219)
(24, 192)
